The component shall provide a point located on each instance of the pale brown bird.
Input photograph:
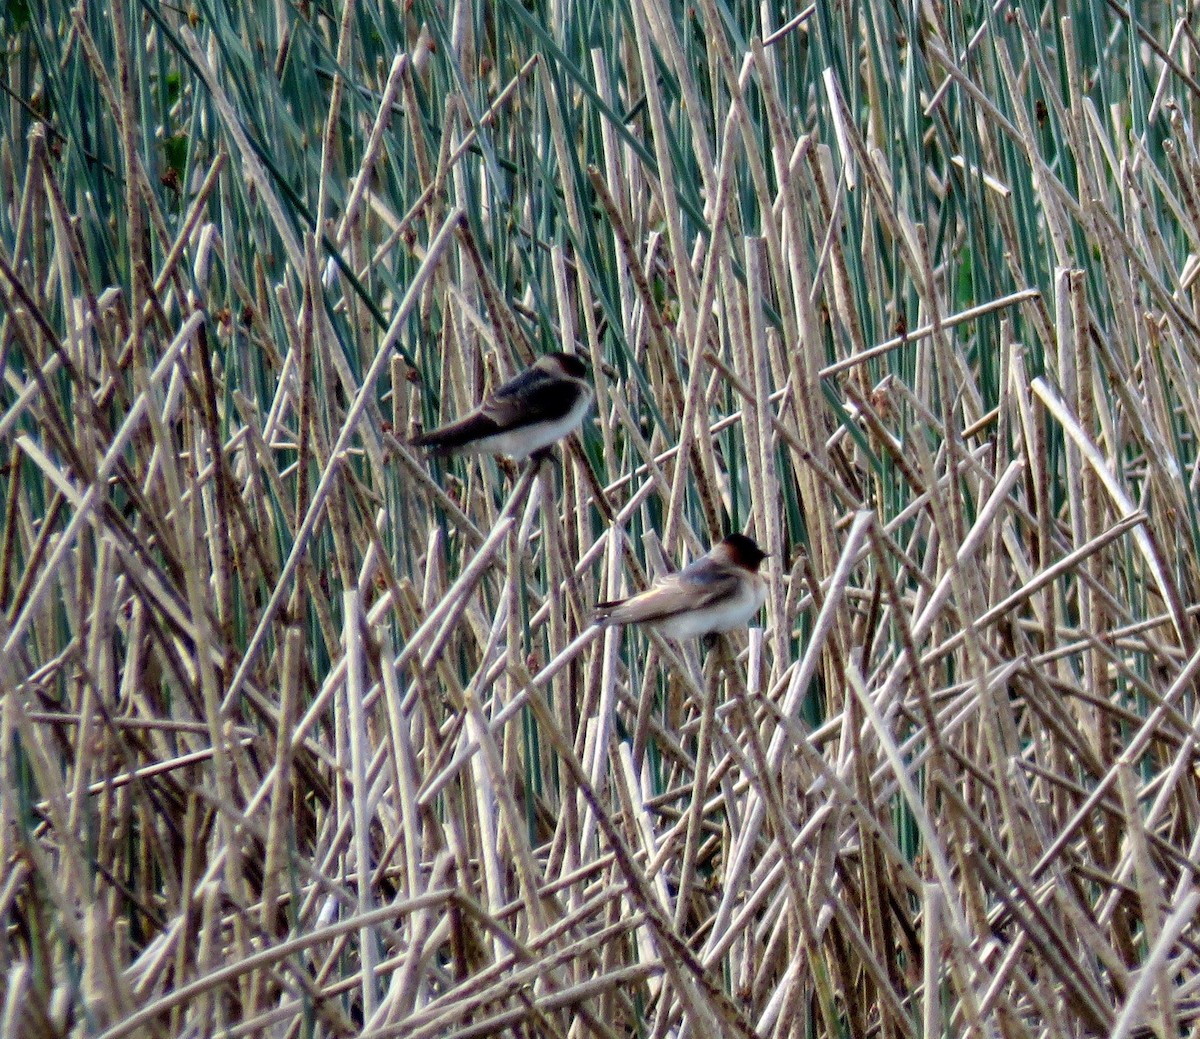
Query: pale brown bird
(719, 591)
(524, 416)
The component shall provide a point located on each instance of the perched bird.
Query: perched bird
(524, 416)
(719, 591)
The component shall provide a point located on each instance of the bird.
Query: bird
(524, 417)
(718, 592)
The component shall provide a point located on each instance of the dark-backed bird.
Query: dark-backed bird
(719, 591)
(524, 416)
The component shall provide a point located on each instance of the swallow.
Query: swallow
(719, 591)
(524, 416)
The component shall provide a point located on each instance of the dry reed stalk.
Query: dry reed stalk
(307, 735)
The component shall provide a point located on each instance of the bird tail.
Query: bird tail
(433, 443)
(602, 615)
(457, 436)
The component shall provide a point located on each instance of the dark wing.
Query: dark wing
(696, 587)
(458, 434)
(531, 397)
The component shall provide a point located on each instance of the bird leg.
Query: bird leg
(544, 454)
(718, 653)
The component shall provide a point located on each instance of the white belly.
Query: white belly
(734, 613)
(521, 443)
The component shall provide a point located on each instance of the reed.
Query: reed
(306, 735)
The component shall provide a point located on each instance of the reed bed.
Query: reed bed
(306, 735)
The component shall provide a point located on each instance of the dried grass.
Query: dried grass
(306, 737)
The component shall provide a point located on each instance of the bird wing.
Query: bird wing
(531, 397)
(696, 587)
